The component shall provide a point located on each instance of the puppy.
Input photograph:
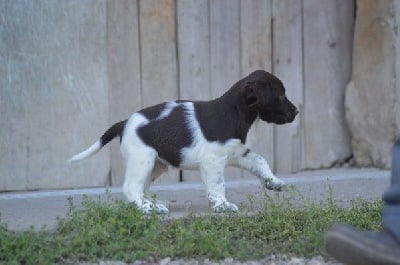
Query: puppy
(204, 135)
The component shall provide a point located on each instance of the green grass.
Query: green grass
(115, 230)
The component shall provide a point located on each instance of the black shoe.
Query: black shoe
(353, 246)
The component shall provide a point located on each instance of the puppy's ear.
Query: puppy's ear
(252, 98)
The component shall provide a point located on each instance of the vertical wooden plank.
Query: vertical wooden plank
(288, 66)
(225, 52)
(255, 36)
(123, 71)
(158, 57)
(54, 93)
(328, 28)
(158, 51)
(225, 45)
(194, 56)
(193, 49)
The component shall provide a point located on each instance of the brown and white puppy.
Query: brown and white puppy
(204, 135)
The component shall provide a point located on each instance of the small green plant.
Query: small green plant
(28, 247)
(111, 229)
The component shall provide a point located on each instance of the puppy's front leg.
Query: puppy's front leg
(212, 173)
(258, 166)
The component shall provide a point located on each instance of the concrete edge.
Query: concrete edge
(302, 177)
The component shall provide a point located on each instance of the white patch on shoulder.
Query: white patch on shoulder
(169, 106)
(201, 149)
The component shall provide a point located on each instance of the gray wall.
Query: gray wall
(69, 69)
(54, 96)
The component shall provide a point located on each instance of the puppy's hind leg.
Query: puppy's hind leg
(139, 166)
(158, 169)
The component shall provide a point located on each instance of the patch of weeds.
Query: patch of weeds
(299, 229)
(109, 229)
(27, 247)
(195, 237)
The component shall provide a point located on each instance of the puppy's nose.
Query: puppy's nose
(295, 110)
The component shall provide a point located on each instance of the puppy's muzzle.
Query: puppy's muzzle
(292, 114)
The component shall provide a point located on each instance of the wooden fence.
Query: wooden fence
(157, 50)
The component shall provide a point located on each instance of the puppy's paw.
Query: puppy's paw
(149, 207)
(161, 209)
(231, 207)
(220, 206)
(274, 184)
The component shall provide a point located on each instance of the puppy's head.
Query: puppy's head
(264, 95)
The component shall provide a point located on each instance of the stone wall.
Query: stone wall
(372, 97)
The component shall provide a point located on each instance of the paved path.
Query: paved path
(41, 208)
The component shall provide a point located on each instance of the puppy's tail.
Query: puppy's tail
(116, 130)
